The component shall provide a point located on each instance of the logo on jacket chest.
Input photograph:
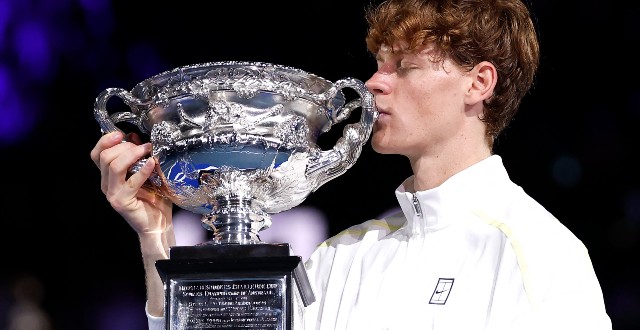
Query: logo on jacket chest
(442, 291)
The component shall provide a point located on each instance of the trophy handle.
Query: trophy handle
(329, 164)
(108, 122)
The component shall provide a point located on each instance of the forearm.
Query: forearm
(154, 247)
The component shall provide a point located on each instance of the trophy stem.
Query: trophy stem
(234, 222)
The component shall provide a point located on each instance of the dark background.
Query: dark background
(572, 146)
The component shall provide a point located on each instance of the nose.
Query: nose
(376, 84)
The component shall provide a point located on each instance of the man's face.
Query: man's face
(420, 99)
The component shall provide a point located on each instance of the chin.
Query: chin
(384, 152)
(380, 147)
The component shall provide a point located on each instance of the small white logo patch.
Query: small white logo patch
(441, 293)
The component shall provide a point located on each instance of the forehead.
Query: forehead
(402, 50)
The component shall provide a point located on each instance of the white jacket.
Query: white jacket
(475, 253)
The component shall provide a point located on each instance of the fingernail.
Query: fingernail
(150, 162)
(116, 136)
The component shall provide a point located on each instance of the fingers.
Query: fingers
(116, 161)
(137, 179)
(106, 141)
(121, 187)
(114, 158)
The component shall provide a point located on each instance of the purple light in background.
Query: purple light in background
(623, 302)
(98, 18)
(38, 37)
(143, 61)
(14, 119)
(303, 227)
(121, 312)
(96, 6)
(32, 48)
(5, 13)
(188, 228)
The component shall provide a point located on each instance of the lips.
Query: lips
(381, 110)
(381, 113)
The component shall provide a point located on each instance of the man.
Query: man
(470, 249)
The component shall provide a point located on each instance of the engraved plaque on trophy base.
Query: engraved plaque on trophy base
(234, 286)
(236, 142)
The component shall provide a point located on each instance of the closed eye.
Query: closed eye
(403, 65)
(404, 69)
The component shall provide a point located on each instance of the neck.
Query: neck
(431, 171)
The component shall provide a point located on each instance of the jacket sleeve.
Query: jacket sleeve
(155, 322)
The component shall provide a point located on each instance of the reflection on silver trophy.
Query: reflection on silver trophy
(237, 141)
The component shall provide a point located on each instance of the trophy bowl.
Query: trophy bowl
(237, 141)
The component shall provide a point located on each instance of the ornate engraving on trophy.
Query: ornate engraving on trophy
(236, 142)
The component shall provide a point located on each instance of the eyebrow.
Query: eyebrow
(392, 54)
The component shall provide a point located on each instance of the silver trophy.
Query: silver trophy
(236, 142)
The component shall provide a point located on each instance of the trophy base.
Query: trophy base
(231, 286)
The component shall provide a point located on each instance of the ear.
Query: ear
(484, 77)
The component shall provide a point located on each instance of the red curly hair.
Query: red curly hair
(468, 32)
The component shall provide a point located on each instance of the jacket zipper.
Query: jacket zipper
(416, 206)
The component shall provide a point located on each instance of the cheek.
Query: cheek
(433, 115)
(436, 100)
